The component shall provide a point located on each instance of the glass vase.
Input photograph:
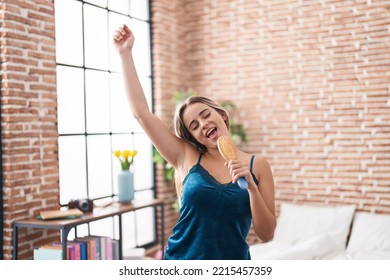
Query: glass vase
(125, 186)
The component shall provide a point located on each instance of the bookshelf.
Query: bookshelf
(66, 225)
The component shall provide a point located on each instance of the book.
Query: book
(47, 254)
(83, 248)
(91, 246)
(108, 248)
(98, 246)
(77, 249)
(115, 249)
(60, 214)
(103, 248)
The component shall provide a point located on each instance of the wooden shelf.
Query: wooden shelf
(65, 225)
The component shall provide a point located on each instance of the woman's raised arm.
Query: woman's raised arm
(166, 142)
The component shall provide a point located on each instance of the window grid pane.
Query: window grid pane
(70, 98)
(94, 118)
(96, 37)
(97, 101)
(99, 166)
(69, 31)
(72, 166)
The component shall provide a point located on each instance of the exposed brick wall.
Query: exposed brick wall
(29, 117)
(169, 75)
(311, 79)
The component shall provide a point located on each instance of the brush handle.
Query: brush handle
(242, 183)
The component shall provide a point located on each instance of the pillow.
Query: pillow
(315, 248)
(370, 232)
(298, 223)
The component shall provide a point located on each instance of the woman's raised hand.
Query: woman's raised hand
(123, 39)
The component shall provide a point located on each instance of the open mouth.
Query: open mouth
(211, 133)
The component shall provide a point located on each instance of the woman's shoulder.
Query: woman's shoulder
(259, 164)
(260, 161)
(261, 168)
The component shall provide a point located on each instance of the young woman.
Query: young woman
(215, 214)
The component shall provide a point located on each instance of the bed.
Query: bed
(309, 232)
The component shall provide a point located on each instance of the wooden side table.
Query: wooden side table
(66, 225)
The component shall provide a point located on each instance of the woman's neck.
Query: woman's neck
(213, 154)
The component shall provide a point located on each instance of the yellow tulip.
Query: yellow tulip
(124, 158)
(133, 153)
(126, 153)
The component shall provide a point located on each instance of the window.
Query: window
(94, 118)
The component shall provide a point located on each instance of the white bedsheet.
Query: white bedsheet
(307, 232)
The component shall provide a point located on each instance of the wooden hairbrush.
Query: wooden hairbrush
(227, 148)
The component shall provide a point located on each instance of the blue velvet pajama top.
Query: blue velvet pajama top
(214, 220)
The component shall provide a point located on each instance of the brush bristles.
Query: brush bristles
(227, 148)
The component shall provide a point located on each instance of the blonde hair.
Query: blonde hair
(182, 131)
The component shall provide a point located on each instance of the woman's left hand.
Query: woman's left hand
(240, 169)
